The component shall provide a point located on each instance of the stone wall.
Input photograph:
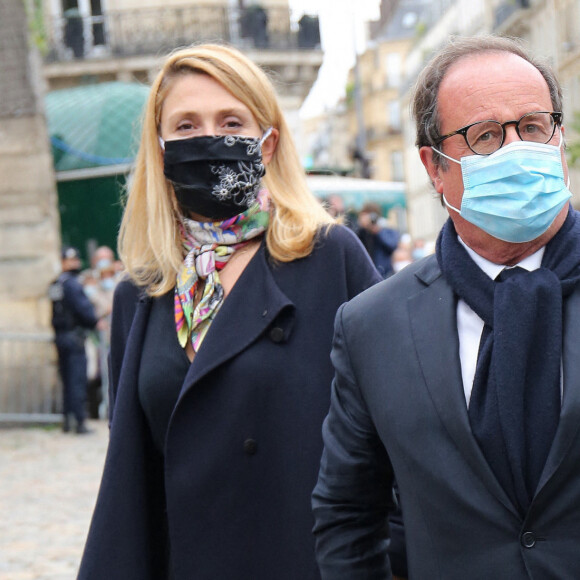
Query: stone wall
(29, 223)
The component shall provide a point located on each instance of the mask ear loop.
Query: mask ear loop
(443, 195)
(561, 137)
(267, 133)
(560, 147)
(446, 156)
(449, 205)
(161, 142)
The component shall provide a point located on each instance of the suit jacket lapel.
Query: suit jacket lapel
(570, 414)
(433, 316)
(253, 304)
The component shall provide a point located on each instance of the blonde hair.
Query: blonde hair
(149, 239)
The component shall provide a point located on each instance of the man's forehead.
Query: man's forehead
(493, 79)
(481, 65)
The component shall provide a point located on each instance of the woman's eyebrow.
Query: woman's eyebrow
(235, 111)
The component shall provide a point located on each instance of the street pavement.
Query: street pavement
(48, 487)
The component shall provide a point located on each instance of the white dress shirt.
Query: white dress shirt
(470, 325)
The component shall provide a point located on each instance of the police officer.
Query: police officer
(72, 315)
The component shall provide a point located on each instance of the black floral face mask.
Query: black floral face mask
(216, 177)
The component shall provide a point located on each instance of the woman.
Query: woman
(221, 339)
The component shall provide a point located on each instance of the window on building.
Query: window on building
(410, 20)
(394, 115)
(393, 64)
(397, 169)
(98, 23)
(68, 4)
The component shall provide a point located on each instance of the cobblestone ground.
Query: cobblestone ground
(48, 486)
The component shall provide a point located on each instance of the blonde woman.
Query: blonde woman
(221, 338)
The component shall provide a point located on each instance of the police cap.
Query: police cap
(69, 252)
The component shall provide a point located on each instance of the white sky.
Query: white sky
(341, 22)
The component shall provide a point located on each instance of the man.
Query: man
(72, 315)
(379, 240)
(102, 258)
(465, 388)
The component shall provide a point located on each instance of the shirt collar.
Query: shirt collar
(530, 263)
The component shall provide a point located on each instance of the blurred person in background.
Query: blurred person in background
(419, 249)
(102, 258)
(220, 337)
(335, 207)
(401, 257)
(99, 284)
(377, 237)
(72, 316)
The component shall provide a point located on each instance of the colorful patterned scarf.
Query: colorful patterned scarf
(209, 246)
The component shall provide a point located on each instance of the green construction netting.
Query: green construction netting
(95, 125)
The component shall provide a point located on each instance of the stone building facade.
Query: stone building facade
(29, 223)
(29, 229)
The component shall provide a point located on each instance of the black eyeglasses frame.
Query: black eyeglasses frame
(556, 116)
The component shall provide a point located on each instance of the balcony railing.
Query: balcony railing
(159, 30)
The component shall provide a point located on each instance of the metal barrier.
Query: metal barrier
(29, 384)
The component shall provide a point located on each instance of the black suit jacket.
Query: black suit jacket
(398, 407)
(230, 499)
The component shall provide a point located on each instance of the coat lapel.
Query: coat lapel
(254, 303)
(433, 316)
(570, 414)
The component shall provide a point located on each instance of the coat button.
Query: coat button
(250, 446)
(277, 334)
(528, 540)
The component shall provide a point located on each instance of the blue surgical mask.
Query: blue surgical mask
(90, 290)
(103, 263)
(515, 193)
(108, 284)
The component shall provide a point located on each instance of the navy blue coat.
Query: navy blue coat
(231, 497)
(72, 309)
(398, 407)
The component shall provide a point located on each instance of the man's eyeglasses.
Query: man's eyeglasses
(486, 137)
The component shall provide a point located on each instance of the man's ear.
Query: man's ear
(563, 131)
(269, 146)
(433, 169)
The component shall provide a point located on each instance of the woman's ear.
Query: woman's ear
(269, 146)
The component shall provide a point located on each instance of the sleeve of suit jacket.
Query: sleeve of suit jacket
(353, 495)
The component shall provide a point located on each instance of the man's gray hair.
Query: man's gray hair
(425, 110)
